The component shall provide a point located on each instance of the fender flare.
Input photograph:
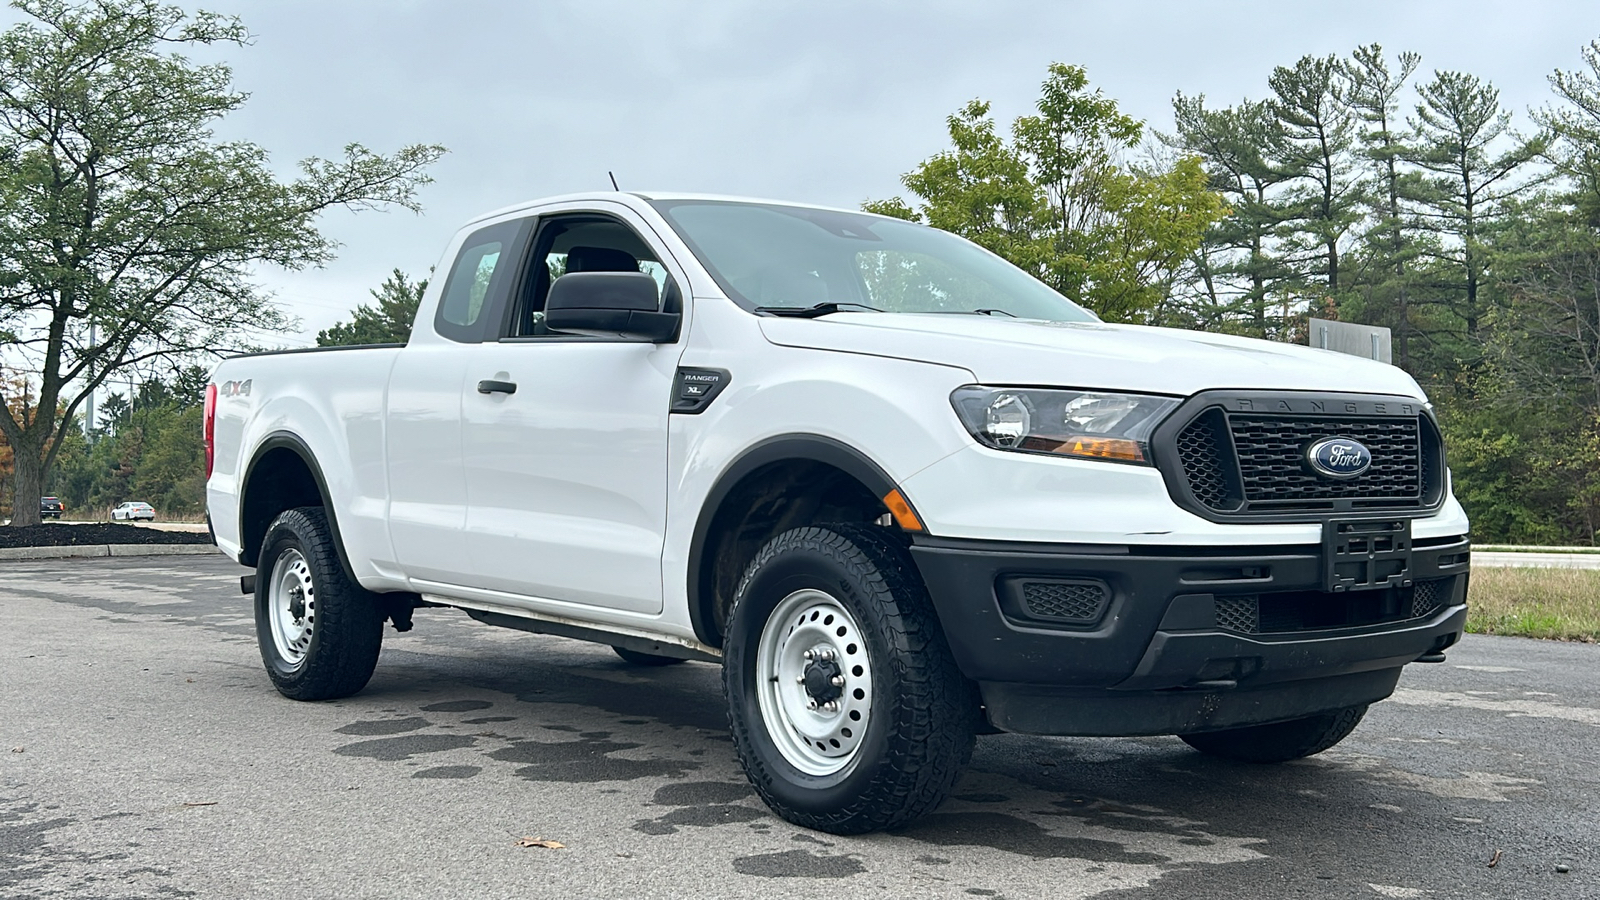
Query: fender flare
(287, 440)
(806, 447)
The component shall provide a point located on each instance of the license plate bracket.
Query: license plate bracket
(1365, 554)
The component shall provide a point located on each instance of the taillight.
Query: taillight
(211, 427)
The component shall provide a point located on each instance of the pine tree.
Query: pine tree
(389, 322)
(1373, 93)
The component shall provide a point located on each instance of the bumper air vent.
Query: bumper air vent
(1292, 611)
(1077, 602)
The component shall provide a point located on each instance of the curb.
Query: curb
(92, 551)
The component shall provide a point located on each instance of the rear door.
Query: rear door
(566, 478)
(427, 481)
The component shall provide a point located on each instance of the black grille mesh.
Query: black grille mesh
(1310, 610)
(1241, 614)
(1203, 448)
(1271, 452)
(1428, 596)
(1068, 601)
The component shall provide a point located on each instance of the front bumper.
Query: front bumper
(1157, 659)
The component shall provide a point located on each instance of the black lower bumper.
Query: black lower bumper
(1179, 639)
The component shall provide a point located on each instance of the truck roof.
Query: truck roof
(652, 195)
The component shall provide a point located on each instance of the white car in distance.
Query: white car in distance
(134, 510)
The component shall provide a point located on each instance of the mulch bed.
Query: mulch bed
(53, 535)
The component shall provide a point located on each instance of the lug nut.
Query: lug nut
(811, 705)
(831, 706)
(799, 679)
(838, 681)
(810, 654)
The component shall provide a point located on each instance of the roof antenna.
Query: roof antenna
(613, 181)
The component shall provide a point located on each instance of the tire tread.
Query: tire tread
(935, 713)
(349, 628)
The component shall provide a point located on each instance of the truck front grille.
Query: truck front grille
(1271, 450)
(1246, 464)
(1292, 611)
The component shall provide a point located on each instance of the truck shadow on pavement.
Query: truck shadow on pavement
(1131, 810)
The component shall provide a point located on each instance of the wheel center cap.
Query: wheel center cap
(819, 684)
(297, 604)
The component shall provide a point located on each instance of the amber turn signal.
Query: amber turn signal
(900, 508)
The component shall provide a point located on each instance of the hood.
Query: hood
(1095, 355)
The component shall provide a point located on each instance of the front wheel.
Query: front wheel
(1280, 741)
(847, 710)
(319, 632)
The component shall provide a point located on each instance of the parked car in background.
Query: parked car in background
(51, 508)
(133, 510)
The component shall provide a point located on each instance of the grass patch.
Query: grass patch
(1555, 603)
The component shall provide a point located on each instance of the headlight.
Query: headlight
(1085, 424)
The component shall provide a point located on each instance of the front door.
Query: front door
(567, 472)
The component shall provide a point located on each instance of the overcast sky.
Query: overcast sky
(821, 101)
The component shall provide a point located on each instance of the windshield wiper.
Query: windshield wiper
(812, 312)
(995, 312)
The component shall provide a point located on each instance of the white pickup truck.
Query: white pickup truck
(902, 492)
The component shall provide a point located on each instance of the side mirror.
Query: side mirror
(610, 304)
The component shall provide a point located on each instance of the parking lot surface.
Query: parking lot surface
(143, 753)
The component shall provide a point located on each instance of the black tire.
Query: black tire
(347, 627)
(924, 713)
(645, 659)
(1280, 741)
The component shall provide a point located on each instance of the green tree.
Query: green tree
(389, 322)
(1575, 126)
(1322, 203)
(1373, 93)
(1466, 182)
(1057, 201)
(114, 412)
(1237, 269)
(128, 230)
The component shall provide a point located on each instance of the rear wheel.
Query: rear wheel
(1280, 741)
(319, 632)
(847, 709)
(645, 659)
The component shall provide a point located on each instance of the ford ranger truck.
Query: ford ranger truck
(903, 492)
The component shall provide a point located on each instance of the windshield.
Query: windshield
(792, 257)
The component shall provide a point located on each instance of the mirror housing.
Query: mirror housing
(611, 304)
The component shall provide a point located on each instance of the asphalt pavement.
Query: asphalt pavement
(143, 753)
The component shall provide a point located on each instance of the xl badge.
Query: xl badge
(1338, 458)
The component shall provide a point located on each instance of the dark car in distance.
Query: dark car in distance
(51, 508)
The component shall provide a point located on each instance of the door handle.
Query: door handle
(497, 387)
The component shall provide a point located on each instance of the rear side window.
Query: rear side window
(473, 305)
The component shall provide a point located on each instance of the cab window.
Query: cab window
(580, 243)
(474, 299)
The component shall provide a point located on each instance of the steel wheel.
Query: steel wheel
(815, 682)
(292, 606)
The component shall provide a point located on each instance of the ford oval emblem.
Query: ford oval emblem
(1338, 458)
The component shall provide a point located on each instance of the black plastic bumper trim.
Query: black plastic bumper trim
(1160, 628)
